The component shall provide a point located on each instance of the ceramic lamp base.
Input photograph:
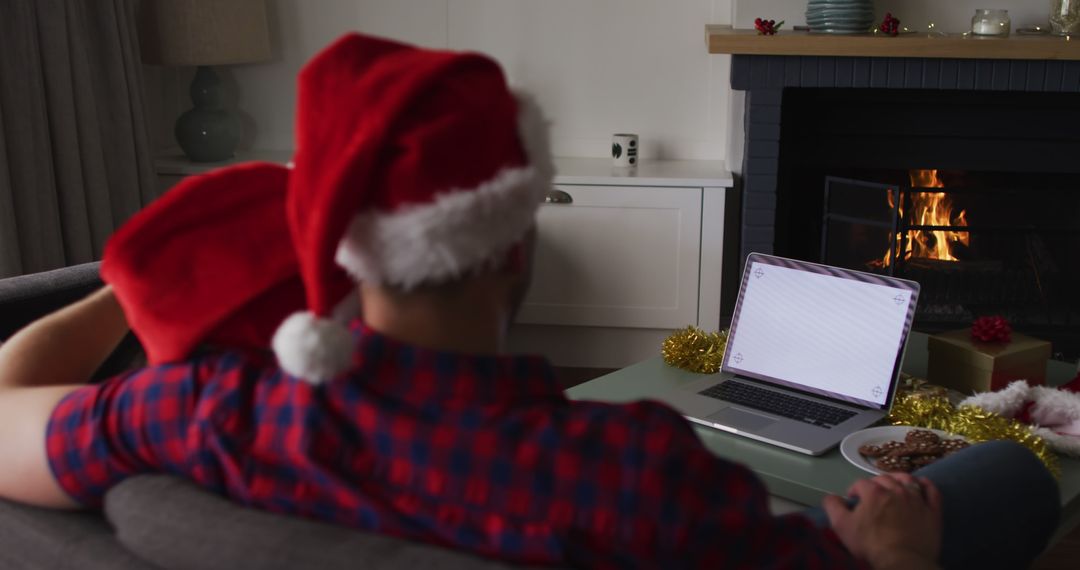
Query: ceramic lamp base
(208, 132)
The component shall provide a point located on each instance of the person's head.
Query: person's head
(471, 312)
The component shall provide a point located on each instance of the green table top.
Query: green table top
(787, 474)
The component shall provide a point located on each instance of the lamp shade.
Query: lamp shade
(204, 32)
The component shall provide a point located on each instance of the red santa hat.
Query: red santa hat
(208, 263)
(412, 166)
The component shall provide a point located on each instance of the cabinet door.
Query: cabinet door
(617, 256)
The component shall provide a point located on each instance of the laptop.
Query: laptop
(813, 354)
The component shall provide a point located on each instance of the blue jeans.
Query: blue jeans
(1000, 506)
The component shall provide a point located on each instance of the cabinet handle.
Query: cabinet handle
(558, 197)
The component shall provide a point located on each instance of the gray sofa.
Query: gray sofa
(163, 522)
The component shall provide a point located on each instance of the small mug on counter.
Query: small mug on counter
(624, 149)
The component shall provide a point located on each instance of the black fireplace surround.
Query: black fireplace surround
(994, 129)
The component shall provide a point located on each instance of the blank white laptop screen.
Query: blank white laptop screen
(827, 334)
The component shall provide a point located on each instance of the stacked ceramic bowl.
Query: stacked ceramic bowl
(840, 16)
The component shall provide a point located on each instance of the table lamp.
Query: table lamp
(204, 33)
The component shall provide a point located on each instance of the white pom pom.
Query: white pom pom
(313, 349)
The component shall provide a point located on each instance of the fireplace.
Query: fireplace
(852, 170)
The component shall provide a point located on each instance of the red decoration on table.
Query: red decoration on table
(1072, 385)
(767, 27)
(991, 329)
(890, 25)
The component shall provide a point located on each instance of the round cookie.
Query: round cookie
(921, 436)
(890, 446)
(918, 448)
(924, 460)
(950, 446)
(894, 464)
(873, 451)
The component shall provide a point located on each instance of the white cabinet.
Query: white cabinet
(619, 256)
(623, 258)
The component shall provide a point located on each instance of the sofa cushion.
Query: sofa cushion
(40, 538)
(176, 525)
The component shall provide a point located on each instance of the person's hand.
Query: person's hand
(895, 524)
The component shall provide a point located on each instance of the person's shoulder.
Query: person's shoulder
(229, 359)
(205, 366)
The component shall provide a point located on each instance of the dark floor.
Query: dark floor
(1065, 555)
(570, 377)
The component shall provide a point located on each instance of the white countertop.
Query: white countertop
(706, 173)
(595, 171)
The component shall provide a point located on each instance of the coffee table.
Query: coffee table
(789, 475)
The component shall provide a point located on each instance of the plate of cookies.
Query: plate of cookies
(898, 448)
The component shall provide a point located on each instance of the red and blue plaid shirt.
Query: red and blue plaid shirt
(481, 453)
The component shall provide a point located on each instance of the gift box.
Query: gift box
(957, 361)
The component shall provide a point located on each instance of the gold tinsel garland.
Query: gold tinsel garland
(917, 402)
(930, 407)
(695, 350)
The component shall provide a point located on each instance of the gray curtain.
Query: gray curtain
(75, 158)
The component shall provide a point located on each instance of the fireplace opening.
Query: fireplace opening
(977, 244)
(985, 215)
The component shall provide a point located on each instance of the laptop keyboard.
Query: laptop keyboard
(784, 405)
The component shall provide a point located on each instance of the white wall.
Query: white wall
(947, 15)
(597, 66)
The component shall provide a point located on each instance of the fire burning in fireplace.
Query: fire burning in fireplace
(928, 209)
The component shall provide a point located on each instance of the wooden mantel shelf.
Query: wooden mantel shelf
(724, 39)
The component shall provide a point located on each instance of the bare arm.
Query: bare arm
(40, 365)
(65, 347)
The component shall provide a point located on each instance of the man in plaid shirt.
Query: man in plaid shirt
(407, 422)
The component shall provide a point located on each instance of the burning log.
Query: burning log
(927, 209)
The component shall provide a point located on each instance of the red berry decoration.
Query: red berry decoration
(890, 25)
(991, 329)
(767, 27)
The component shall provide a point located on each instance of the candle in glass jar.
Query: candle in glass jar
(985, 28)
(990, 23)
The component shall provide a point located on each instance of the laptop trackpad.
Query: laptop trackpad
(740, 420)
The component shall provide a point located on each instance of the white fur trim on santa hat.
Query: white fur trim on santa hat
(1055, 413)
(1005, 402)
(461, 229)
(312, 348)
(441, 240)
